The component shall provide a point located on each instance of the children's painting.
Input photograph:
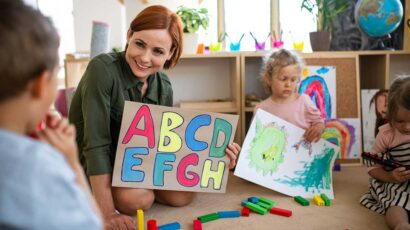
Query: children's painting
(275, 156)
(173, 149)
(319, 82)
(345, 133)
(374, 108)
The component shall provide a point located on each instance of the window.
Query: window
(243, 17)
(295, 24)
(60, 13)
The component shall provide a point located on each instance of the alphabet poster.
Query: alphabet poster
(275, 156)
(169, 148)
(319, 82)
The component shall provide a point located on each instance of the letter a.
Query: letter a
(148, 130)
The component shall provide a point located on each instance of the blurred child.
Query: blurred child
(389, 190)
(42, 185)
(280, 77)
(380, 106)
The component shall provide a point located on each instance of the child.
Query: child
(380, 102)
(280, 77)
(389, 190)
(41, 185)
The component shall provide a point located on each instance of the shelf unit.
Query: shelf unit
(218, 82)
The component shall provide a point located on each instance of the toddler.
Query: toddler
(389, 189)
(280, 76)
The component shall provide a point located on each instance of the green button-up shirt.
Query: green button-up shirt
(97, 107)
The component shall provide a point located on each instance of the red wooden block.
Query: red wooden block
(281, 212)
(197, 225)
(245, 211)
(152, 225)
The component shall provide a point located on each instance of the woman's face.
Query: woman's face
(147, 51)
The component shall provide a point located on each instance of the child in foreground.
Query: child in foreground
(389, 189)
(280, 76)
(42, 185)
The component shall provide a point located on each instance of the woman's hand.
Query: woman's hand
(118, 221)
(232, 151)
(314, 133)
(400, 175)
(61, 135)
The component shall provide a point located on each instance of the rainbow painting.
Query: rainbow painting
(344, 133)
(319, 82)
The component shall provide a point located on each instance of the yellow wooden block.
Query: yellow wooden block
(140, 219)
(318, 200)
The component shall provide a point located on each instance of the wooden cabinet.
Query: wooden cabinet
(219, 82)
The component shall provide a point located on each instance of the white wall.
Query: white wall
(109, 11)
(133, 7)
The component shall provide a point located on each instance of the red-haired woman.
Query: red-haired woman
(154, 42)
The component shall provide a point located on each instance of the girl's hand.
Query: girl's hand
(400, 175)
(233, 151)
(314, 133)
(61, 135)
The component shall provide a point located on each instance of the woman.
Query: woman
(154, 42)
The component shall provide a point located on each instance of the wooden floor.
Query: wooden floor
(345, 211)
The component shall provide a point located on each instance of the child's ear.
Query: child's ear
(39, 84)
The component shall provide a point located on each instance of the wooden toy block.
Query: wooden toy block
(301, 201)
(171, 226)
(244, 202)
(325, 199)
(245, 211)
(256, 208)
(152, 224)
(267, 201)
(264, 205)
(253, 200)
(140, 219)
(229, 214)
(197, 225)
(208, 217)
(281, 212)
(318, 200)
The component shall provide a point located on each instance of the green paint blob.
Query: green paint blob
(267, 148)
(316, 175)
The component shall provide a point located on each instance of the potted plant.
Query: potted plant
(324, 11)
(192, 19)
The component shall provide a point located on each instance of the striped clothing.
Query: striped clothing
(382, 195)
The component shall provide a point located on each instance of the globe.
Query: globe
(378, 18)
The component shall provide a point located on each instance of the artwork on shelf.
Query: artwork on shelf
(374, 108)
(319, 82)
(169, 148)
(345, 133)
(275, 156)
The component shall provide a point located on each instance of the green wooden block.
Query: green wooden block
(208, 217)
(301, 200)
(256, 208)
(326, 199)
(267, 201)
(264, 205)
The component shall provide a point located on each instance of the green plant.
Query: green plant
(193, 18)
(325, 11)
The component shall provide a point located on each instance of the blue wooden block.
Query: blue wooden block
(244, 202)
(253, 200)
(229, 214)
(170, 226)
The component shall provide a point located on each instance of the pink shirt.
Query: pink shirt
(387, 138)
(302, 112)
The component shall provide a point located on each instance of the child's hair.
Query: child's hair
(399, 95)
(380, 120)
(274, 62)
(29, 46)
